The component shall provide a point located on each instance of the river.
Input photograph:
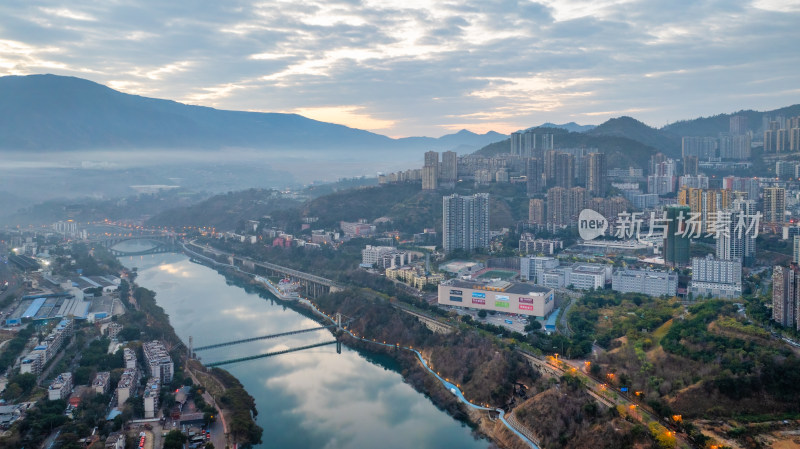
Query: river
(308, 399)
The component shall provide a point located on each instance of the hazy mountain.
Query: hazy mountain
(56, 113)
(630, 128)
(571, 127)
(712, 126)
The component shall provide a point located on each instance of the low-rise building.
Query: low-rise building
(127, 385)
(499, 296)
(113, 330)
(528, 244)
(115, 440)
(61, 387)
(101, 382)
(130, 358)
(531, 266)
(581, 276)
(648, 282)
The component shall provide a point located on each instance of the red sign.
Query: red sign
(525, 307)
(526, 300)
(478, 301)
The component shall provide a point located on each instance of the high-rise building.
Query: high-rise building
(796, 249)
(550, 167)
(735, 147)
(577, 198)
(530, 143)
(676, 244)
(690, 165)
(786, 295)
(564, 170)
(654, 161)
(534, 176)
(774, 205)
(449, 173)
(747, 185)
(557, 208)
(536, 212)
(738, 125)
(706, 202)
(704, 148)
(738, 243)
(596, 174)
(430, 171)
(465, 222)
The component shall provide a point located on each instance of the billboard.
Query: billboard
(501, 304)
(478, 295)
(456, 292)
(526, 300)
(455, 298)
(525, 307)
(549, 298)
(478, 301)
(501, 297)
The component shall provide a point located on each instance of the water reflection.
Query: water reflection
(313, 398)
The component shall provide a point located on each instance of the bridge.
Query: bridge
(163, 243)
(337, 324)
(314, 286)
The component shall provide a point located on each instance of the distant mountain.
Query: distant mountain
(571, 127)
(56, 113)
(463, 141)
(712, 126)
(630, 128)
(621, 152)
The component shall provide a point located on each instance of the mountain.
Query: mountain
(621, 152)
(712, 126)
(463, 141)
(571, 127)
(630, 128)
(49, 113)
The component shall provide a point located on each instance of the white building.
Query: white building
(130, 358)
(531, 266)
(101, 382)
(150, 397)
(716, 278)
(127, 385)
(648, 282)
(158, 361)
(61, 387)
(581, 276)
(498, 296)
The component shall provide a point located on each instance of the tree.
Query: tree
(174, 440)
(533, 326)
(482, 314)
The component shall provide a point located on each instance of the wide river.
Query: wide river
(314, 398)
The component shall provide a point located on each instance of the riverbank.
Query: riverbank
(417, 370)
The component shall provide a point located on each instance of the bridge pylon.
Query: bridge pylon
(339, 320)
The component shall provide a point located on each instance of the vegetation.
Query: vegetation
(242, 406)
(15, 346)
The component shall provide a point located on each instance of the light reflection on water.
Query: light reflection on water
(314, 398)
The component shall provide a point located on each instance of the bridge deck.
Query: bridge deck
(263, 337)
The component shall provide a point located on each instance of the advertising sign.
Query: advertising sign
(501, 297)
(501, 304)
(526, 300)
(456, 292)
(478, 295)
(525, 307)
(478, 301)
(455, 298)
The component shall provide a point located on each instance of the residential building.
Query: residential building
(693, 181)
(529, 244)
(129, 357)
(786, 296)
(716, 278)
(356, 229)
(158, 361)
(596, 174)
(150, 397)
(533, 175)
(676, 242)
(370, 255)
(536, 214)
(564, 175)
(498, 296)
(648, 282)
(449, 169)
(101, 381)
(796, 249)
(774, 205)
(61, 387)
(738, 125)
(557, 208)
(747, 185)
(704, 148)
(738, 241)
(530, 267)
(735, 147)
(115, 440)
(690, 165)
(465, 222)
(529, 143)
(127, 385)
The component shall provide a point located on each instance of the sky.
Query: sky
(412, 67)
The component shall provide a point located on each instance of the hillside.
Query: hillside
(712, 126)
(633, 129)
(622, 152)
(57, 113)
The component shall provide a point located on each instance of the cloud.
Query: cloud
(419, 67)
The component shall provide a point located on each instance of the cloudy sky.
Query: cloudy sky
(414, 67)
